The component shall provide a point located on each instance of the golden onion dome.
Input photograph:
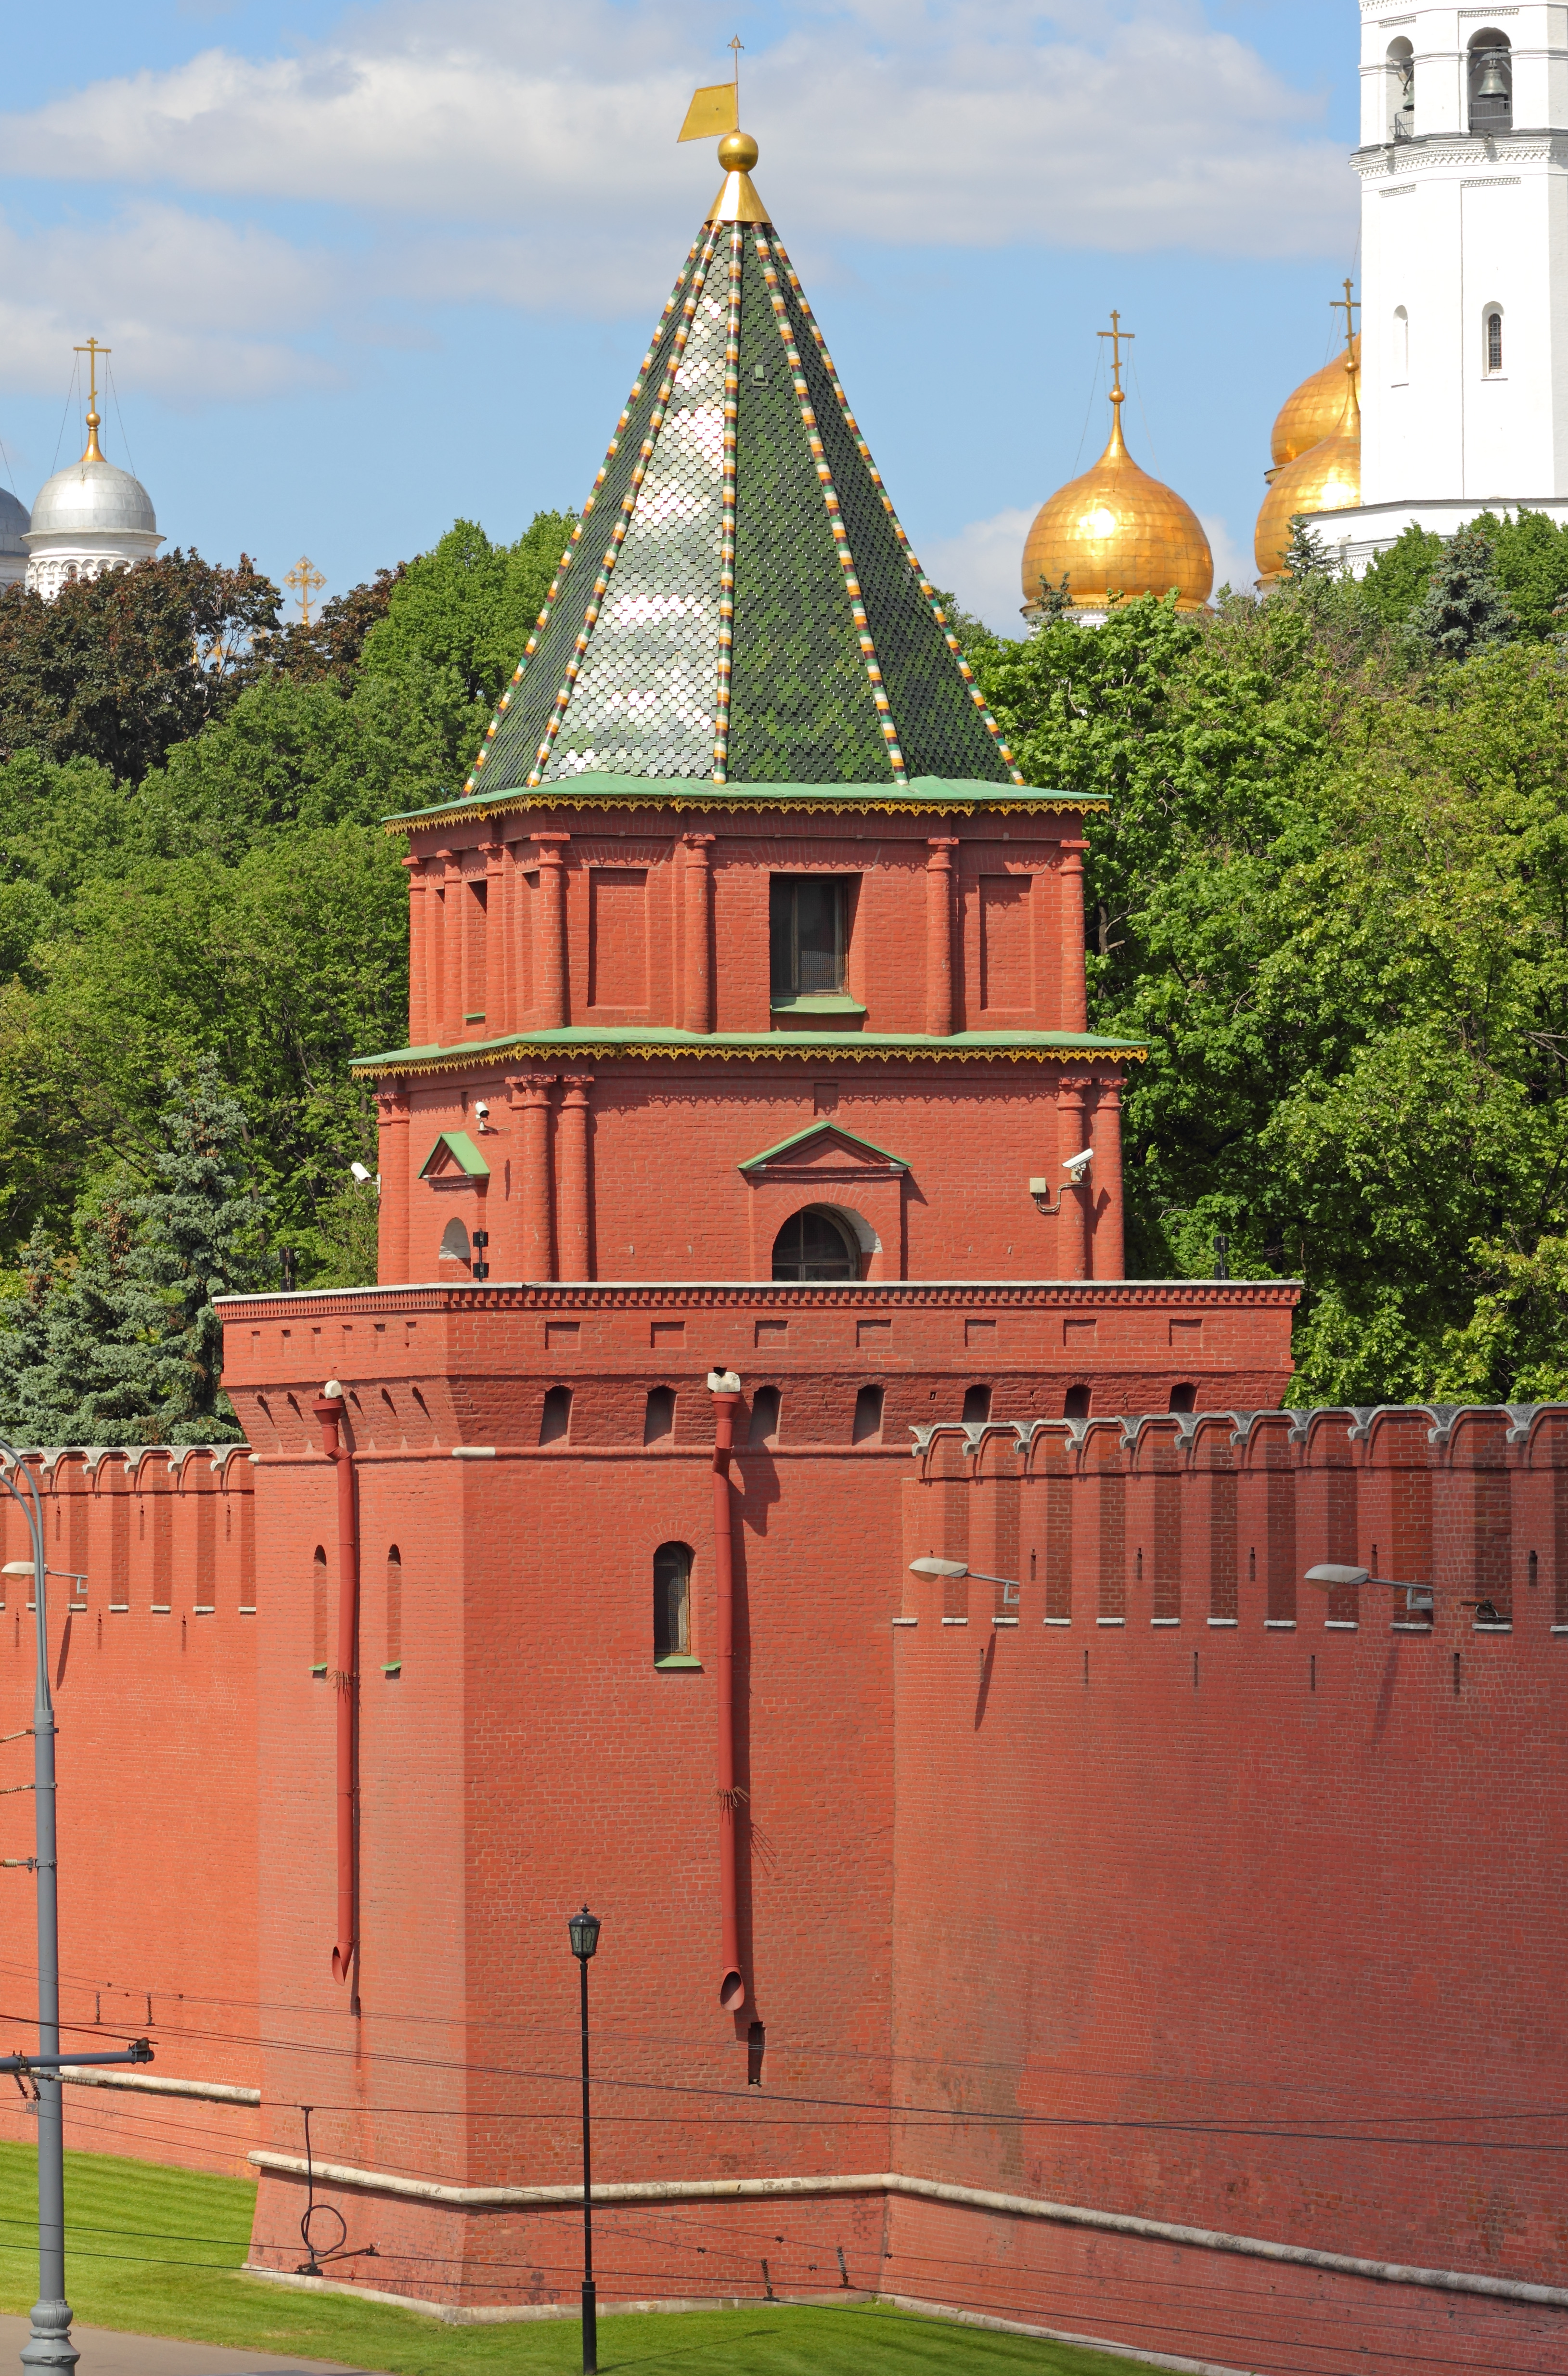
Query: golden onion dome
(1117, 531)
(1326, 478)
(1312, 412)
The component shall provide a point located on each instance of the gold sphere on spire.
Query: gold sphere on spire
(1117, 531)
(738, 152)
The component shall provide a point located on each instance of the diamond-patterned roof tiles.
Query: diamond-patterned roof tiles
(738, 602)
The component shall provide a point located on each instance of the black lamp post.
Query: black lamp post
(583, 1930)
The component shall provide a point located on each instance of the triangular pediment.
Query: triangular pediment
(825, 1146)
(454, 1156)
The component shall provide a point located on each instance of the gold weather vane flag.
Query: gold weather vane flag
(716, 109)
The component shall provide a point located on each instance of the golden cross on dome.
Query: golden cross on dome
(306, 579)
(1349, 306)
(94, 419)
(1117, 337)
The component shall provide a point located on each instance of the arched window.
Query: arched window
(815, 1244)
(1401, 90)
(868, 1416)
(1076, 1404)
(672, 1603)
(1491, 333)
(393, 1663)
(659, 1419)
(455, 1243)
(318, 1612)
(1490, 81)
(1183, 1398)
(1399, 348)
(555, 1419)
(767, 1403)
(977, 1406)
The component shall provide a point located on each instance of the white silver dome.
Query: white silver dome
(91, 497)
(13, 523)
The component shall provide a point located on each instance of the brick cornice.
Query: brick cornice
(866, 1295)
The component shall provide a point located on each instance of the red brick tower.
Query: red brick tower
(748, 1125)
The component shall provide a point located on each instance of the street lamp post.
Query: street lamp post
(583, 1930)
(49, 2346)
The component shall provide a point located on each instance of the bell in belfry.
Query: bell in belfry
(1494, 83)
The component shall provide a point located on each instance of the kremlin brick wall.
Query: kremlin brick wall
(1184, 1895)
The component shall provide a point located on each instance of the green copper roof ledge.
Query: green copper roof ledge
(924, 795)
(961, 1047)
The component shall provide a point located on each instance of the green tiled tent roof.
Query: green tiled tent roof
(739, 604)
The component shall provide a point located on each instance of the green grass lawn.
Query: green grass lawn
(154, 2251)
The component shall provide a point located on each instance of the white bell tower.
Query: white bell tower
(1464, 172)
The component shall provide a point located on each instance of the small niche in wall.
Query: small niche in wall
(658, 1418)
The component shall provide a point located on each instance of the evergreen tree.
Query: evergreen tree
(123, 1345)
(1306, 555)
(1464, 609)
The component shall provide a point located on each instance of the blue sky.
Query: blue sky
(365, 268)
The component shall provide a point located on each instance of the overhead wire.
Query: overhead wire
(114, 392)
(1117, 2075)
(1053, 2295)
(66, 413)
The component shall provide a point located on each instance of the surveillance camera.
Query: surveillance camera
(1078, 1164)
(358, 1172)
(482, 1112)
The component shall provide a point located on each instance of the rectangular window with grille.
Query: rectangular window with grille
(808, 935)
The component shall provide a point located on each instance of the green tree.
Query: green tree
(1530, 559)
(123, 1343)
(1464, 609)
(1401, 574)
(468, 607)
(330, 649)
(119, 668)
(1306, 555)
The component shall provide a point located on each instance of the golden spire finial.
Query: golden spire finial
(306, 579)
(717, 109)
(1349, 306)
(94, 418)
(1117, 337)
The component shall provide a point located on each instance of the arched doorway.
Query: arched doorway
(815, 1244)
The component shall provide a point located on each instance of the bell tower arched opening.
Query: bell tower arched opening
(1401, 90)
(1490, 81)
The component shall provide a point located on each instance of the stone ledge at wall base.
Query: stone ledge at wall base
(532, 2313)
(920, 2189)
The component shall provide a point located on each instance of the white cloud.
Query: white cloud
(982, 565)
(965, 122)
(193, 307)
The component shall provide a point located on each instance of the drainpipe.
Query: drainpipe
(725, 1388)
(328, 1409)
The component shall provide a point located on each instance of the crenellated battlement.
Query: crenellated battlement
(164, 1529)
(1214, 1518)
